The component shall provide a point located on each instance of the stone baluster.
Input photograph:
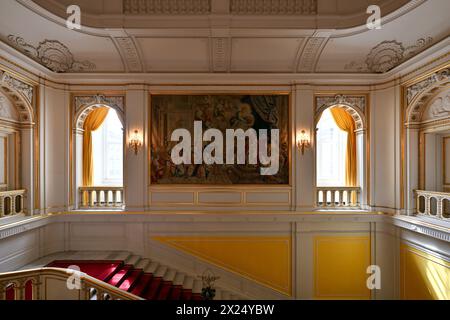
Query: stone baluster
(114, 192)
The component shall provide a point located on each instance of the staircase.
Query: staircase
(141, 277)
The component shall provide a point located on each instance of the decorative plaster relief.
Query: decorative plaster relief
(130, 54)
(96, 101)
(220, 50)
(353, 104)
(416, 89)
(15, 84)
(181, 7)
(273, 7)
(310, 54)
(7, 110)
(387, 55)
(439, 108)
(52, 54)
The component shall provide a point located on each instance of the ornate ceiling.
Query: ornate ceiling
(239, 36)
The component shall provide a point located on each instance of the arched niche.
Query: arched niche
(427, 115)
(83, 105)
(356, 106)
(17, 138)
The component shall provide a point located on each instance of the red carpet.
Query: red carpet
(128, 278)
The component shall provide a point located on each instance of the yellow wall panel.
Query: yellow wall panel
(423, 276)
(266, 260)
(340, 265)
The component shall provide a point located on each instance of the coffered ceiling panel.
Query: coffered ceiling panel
(175, 54)
(264, 54)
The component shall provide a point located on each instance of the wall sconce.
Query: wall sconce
(135, 142)
(303, 141)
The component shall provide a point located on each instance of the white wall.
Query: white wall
(385, 149)
(54, 131)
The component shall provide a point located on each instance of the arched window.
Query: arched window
(340, 176)
(99, 154)
(331, 152)
(107, 147)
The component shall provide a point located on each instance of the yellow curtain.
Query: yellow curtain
(346, 123)
(93, 121)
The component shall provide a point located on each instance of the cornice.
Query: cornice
(416, 224)
(411, 223)
(29, 70)
(134, 13)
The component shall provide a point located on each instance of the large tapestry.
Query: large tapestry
(254, 114)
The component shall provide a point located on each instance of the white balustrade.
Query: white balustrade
(52, 283)
(11, 203)
(101, 197)
(433, 204)
(339, 197)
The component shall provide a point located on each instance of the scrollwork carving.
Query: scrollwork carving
(414, 90)
(387, 55)
(90, 103)
(353, 104)
(52, 54)
(181, 7)
(273, 7)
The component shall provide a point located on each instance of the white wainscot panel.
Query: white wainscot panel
(219, 197)
(19, 250)
(271, 197)
(172, 197)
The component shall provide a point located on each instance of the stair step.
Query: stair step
(175, 294)
(170, 275)
(142, 264)
(179, 279)
(142, 277)
(161, 271)
(120, 275)
(188, 283)
(197, 286)
(119, 255)
(152, 267)
(164, 291)
(153, 289)
(131, 279)
(101, 270)
(186, 294)
(142, 284)
(133, 260)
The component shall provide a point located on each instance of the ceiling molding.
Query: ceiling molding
(221, 53)
(174, 7)
(129, 53)
(311, 53)
(313, 13)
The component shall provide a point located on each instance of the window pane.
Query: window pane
(331, 152)
(108, 152)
